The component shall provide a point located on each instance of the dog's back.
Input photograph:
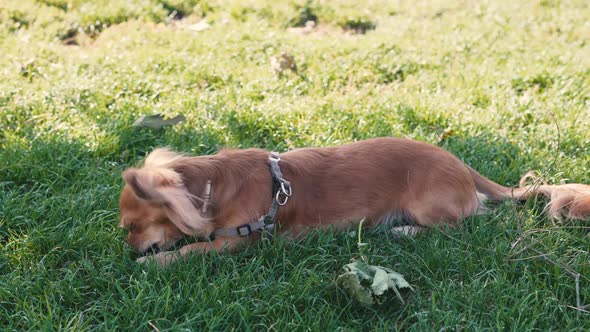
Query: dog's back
(377, 179)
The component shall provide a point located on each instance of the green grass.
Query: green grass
(509, 79)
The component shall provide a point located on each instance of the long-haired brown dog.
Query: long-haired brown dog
(381, 179)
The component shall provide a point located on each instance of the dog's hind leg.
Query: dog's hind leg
(447, 209)
(407, 231)
(400, 222)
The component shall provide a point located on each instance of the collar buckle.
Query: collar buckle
(244, 230)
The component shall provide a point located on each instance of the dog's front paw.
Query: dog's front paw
(142, 259)
(163, 258)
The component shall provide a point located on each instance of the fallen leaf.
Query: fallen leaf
(380, 282)
(361, 269)
(351, 283)
(201, 26)
(308, 28)
(283, 62)
(385, 279)
(157, 121)
(380, 278)
(446, 134)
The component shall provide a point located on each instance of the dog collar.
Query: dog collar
(281, 191)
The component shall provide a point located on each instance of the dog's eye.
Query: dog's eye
(131, 227)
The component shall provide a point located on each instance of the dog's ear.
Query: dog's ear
(131, 178)
(147, 183)
(165, 186)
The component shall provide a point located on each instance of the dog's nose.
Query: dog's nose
(153, 249)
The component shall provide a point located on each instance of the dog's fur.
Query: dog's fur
(378, 179)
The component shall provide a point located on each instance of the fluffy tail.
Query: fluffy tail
(566, 200)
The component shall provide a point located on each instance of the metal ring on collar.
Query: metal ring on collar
(278, 198)
(284, 190)
(274, 156)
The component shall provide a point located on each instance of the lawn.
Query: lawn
(504, 85)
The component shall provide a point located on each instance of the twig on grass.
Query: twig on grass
(583, 309)
(153, 326)
(468, 245)
(567, 269)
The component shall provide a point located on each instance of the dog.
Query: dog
(228, 194)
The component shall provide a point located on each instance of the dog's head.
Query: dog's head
(155, 206)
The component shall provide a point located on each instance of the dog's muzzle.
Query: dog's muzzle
(153, 249)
